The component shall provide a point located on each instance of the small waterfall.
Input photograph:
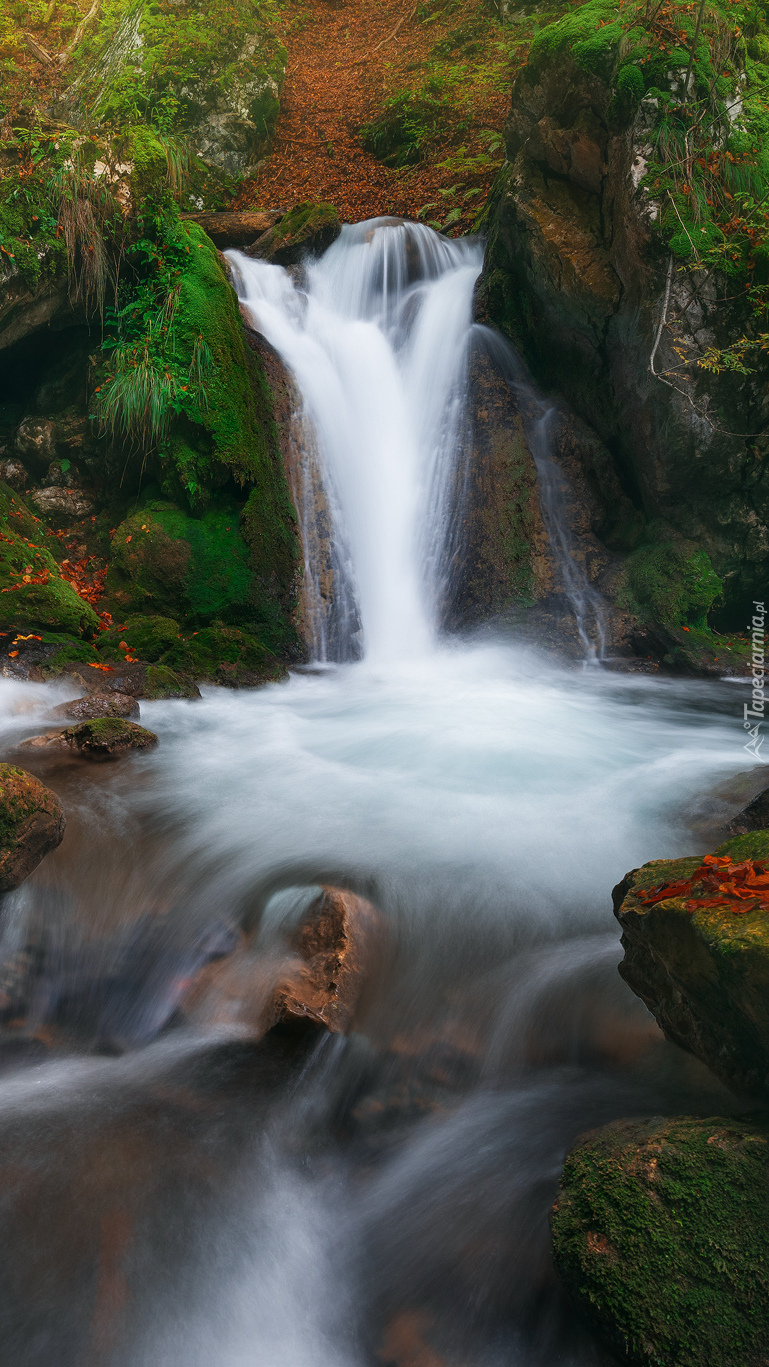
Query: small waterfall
(377, 336)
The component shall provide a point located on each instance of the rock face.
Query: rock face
(576, 273)
(319, 984)
(661, 1236)
(108, 738)
(31, 825)
(703, 973)
(134, 680)
(755, 817)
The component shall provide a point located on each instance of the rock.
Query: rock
(704, 974)
(148, 637)
(13, 473)
(91, 708)
(136, 680)
(306, 230)
(48, 740)
(320, 983)
(62, 505)
(35, 598)
(226, 656)
(235, 229)
(222, 71)
(35, 442)
(755, 817)
(108, 738)
(31, 825)
(661, 1238)
(576, 273)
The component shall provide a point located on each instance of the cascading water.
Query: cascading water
(377, 339)
(205, 1201)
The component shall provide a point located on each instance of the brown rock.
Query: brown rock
(108, 738)
(321, 982)
(234, 230)
(66, 504)
(31, 824)
(103, 705)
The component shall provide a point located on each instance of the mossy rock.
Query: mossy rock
(31, 824)
(33, 596)
(704, 974)
(661, 1237)
(108, 738)
(670, 582)
(167, 563)
(147, 637)
(224, 655)
(306, 230)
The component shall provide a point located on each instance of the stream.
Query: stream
(181, 1197)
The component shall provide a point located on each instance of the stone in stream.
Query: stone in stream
(134, 679)
(703, 973)
(754, 817)
(31, 824)
(320, 981)
(102, 705)
(306, 230)
(661, 1238)
(108, 738)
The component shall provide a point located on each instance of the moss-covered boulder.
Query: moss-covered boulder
(146, 637)
(31, 824)
(212, 74)
(224, 655)
(702, 969)
(132, 679)
(306, 230)
(661, 1237)
(108, 738)
(92, 708)
(33, 595)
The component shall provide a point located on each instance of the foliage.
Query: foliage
(670, 582)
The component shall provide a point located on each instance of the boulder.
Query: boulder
(14, 474)
(31, 825)
(108, 738)
(62, 506)
(754, 817)
(661, 1238)
(702, 969)
(134, 680)
(319, 982)
(92, 708)
(34, 442)
(306, 230)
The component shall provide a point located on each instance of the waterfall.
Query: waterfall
(377, 337)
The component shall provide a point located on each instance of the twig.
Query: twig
(693, 46)
(683, 225)
(663, 320)
(38, 51)
(387, 38)
(65, 56)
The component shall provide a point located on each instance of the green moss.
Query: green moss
(754, 845)
(162, 682)
(34, 597)
(670, 582)
(661, 1234)
(18, 801)
(147, 637)
(109, 735)
(590, 34)
(223, 655)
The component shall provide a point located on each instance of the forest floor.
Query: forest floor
(447, 65)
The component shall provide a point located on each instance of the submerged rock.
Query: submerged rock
(306, 230)
(31, 824)
(661, 1237)
(91, 708)
(108, 738)
(702, 970)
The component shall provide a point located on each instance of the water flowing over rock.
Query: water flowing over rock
(31, 825)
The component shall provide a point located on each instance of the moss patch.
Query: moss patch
(224, 655)
(661, 1235)
(34, 597)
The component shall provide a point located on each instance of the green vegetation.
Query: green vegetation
(34, 597)
(660, 1234)
(671, 582)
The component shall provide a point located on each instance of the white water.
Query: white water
(378, 344)
(487, 801)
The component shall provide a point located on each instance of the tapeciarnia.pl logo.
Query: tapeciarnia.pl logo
(753, 712)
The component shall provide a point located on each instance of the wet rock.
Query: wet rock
(62, 505)
(320, 983)
(31, 825)
(703, 973)
(306, 230)
(661, 1238)
(91, 708)
(47, 740)
(235, 229)
(35, 442)
(135, 680)
(754, 817)
(108, 738)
